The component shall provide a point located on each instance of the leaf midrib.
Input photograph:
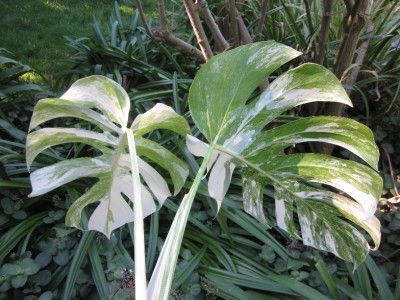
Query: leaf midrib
(255, 167)
(114, 166)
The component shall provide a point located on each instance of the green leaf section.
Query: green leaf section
(53, 108)
(158, 154)
(343, 132)
(160, 116)
(357, 180)
(242, 69)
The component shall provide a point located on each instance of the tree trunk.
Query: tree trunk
(353, 23)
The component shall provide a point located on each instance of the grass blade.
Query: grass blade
(11, 238)
(152, 243)
(380, 282)
(76, 263)
(161, 280)
(321, 267)
(98, 272)
(184, 274)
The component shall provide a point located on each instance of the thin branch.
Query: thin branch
(143, 18)
(349, 5)
(198, 29)
(181, 45)
(233, 24)
(324, 31)
(167, 36)
(391, 172)
(212, 25)
(261, 20)
(163, 20)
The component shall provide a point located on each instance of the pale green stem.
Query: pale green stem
(163, 274)
(140, 261)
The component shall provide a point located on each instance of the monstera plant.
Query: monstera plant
(117, 166)
(327, 202)
(323, 200)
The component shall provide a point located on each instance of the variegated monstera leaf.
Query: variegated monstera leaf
(332, 197)
(105, 105)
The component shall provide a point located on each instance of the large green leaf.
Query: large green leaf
(234, 125)
(103, 103)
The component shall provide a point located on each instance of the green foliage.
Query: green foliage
(124, 52)
(11, 79)
(244, 258)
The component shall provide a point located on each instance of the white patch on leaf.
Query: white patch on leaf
(220, 178)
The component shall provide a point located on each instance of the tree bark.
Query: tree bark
(244, 33)
(354, 22)
(320, 49)
(219, 39)
(233, 24)
(324, 31)
(361, 53)
(261, 20)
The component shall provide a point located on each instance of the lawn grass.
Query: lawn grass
(34, 30)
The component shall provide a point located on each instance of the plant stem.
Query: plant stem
(140, 260)
(163, 274)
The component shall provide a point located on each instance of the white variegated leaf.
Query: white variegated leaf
(320, 214)
(233, 122)
(253, 194)
(234, 127)
(102, 102)
(220, 178)
(199, 148)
